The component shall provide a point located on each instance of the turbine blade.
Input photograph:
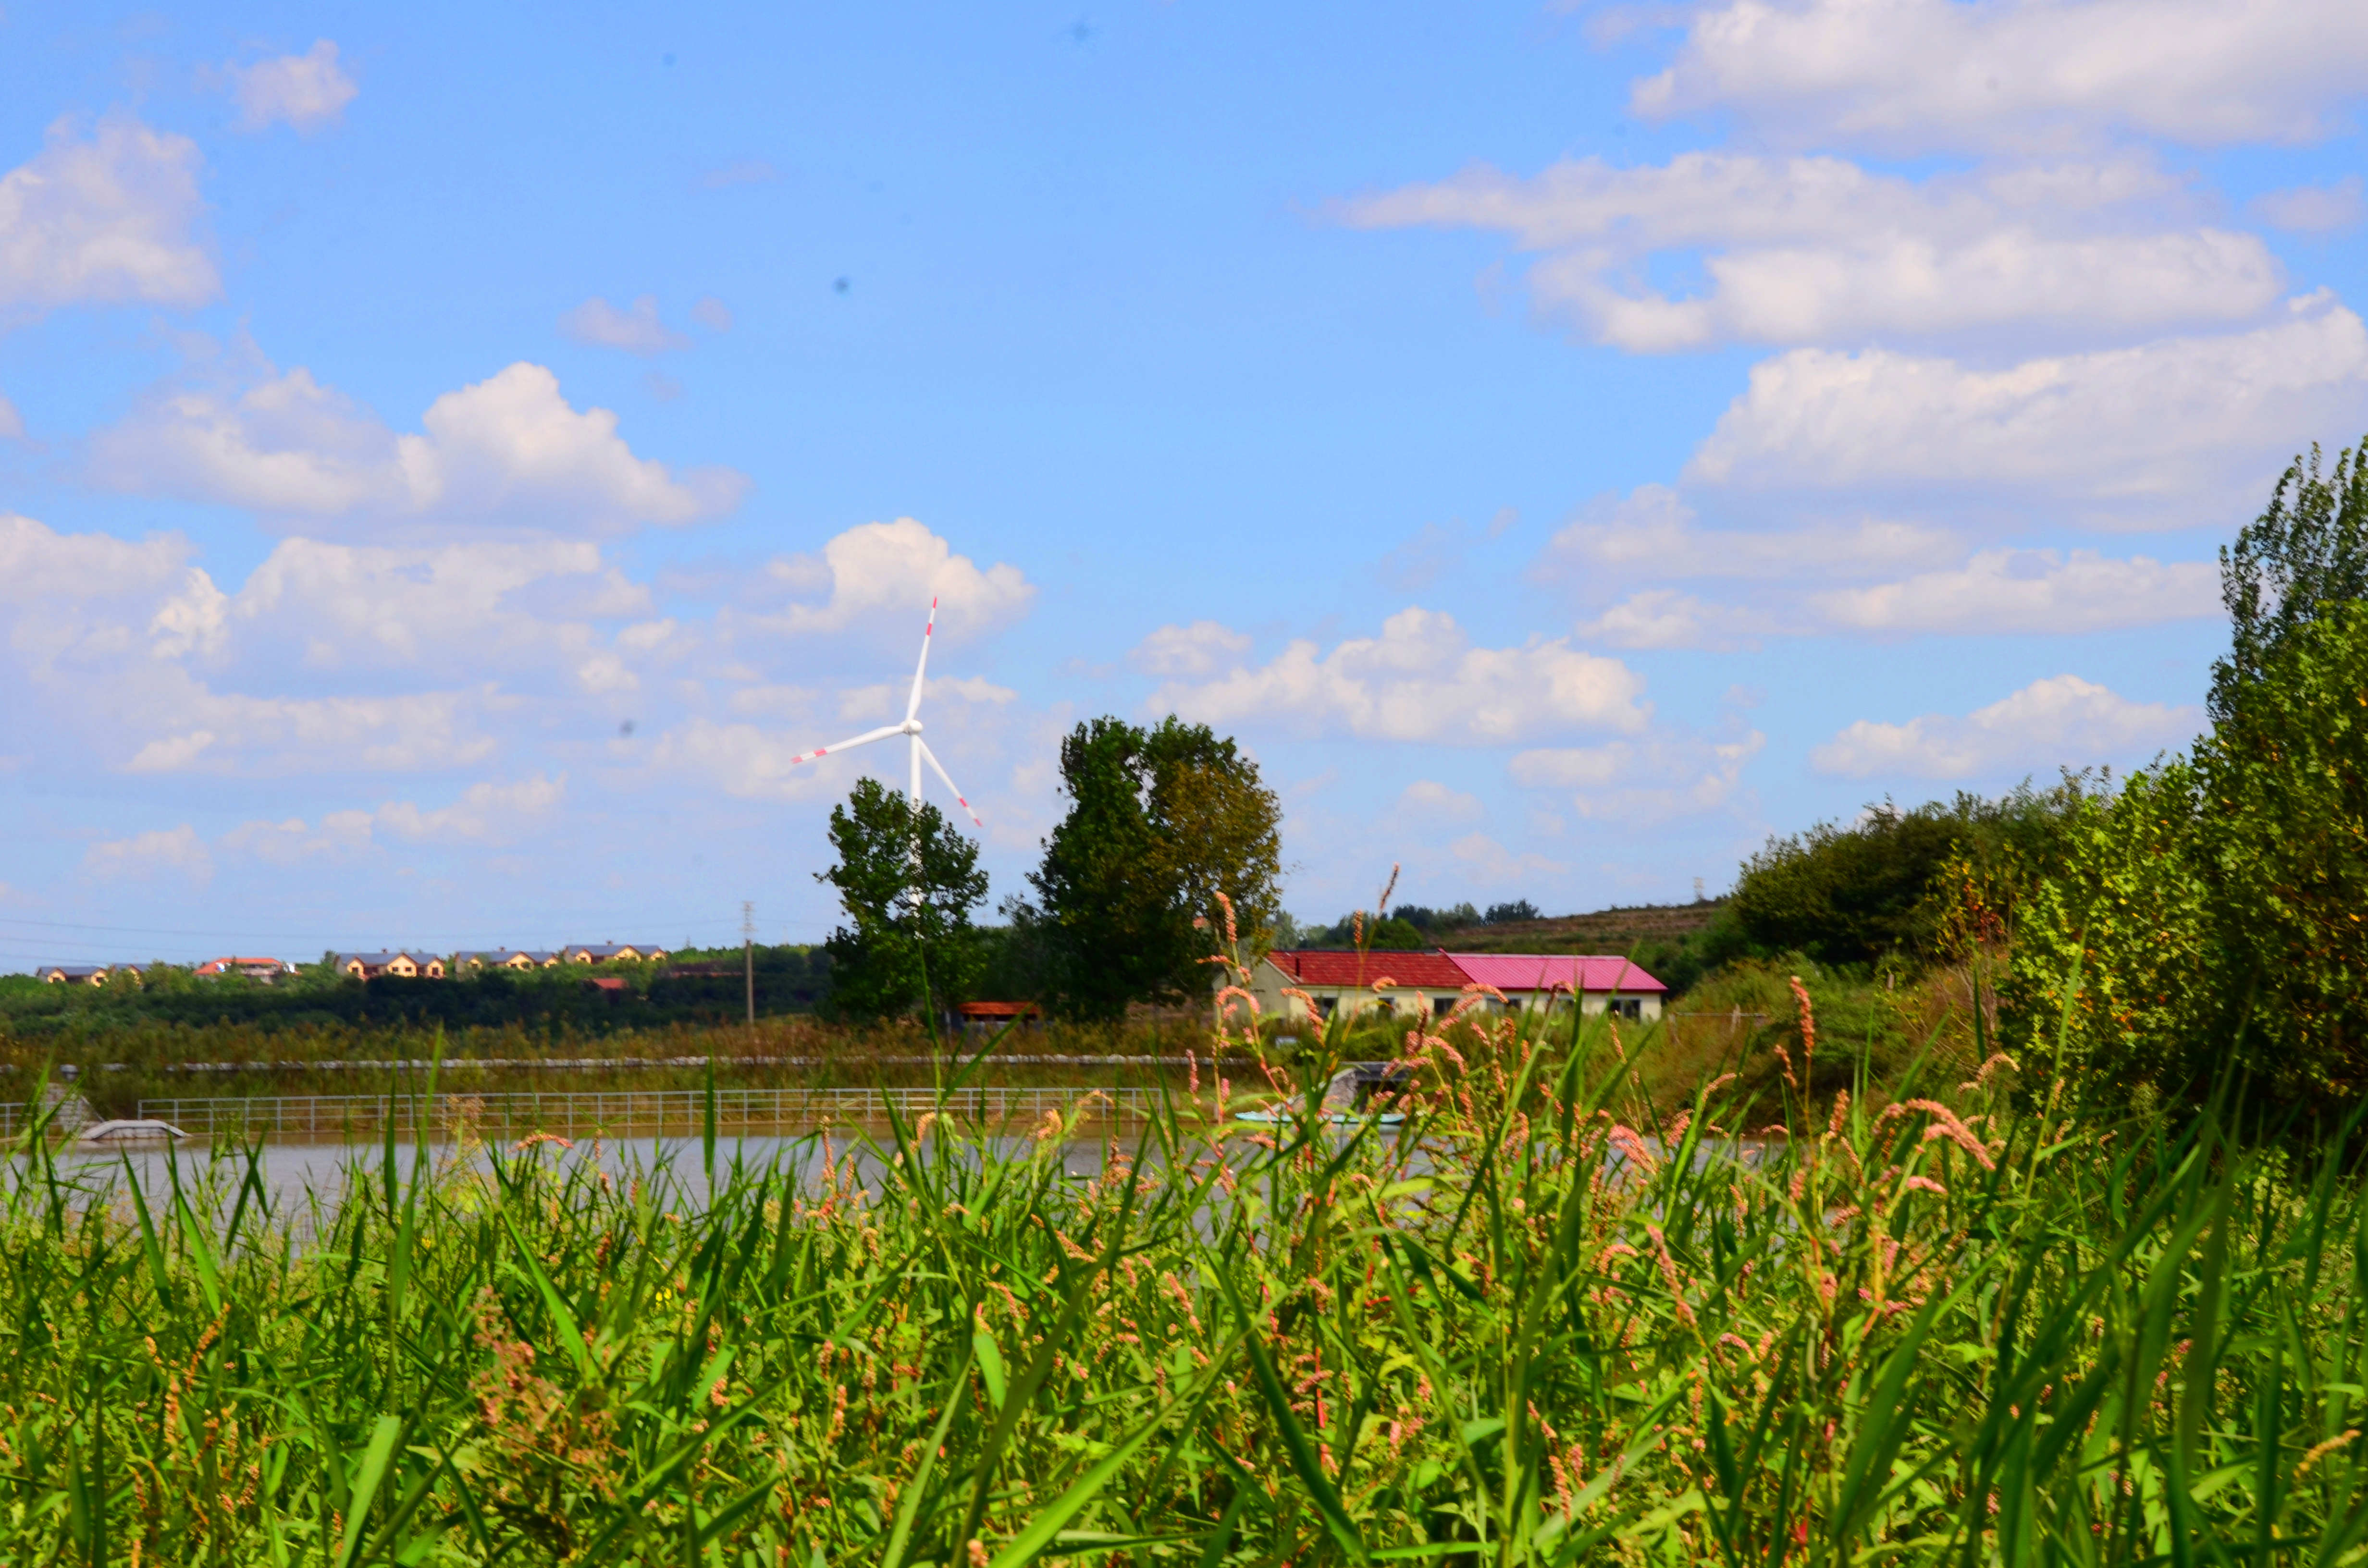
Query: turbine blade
(863, 739)
(939, 769)
(920, 669)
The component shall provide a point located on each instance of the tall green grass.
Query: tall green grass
(1531, 1324)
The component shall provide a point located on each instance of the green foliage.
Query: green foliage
(2220, 905)
(907, 881)
(1161, 821)
(2116, 955)
(1533, 1326)
(1874, 889)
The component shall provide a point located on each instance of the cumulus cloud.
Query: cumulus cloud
(111, 218)
(337, 836)
(2169, 426)
(2042, 591)
(509, 453)
(486, 813)
(12, 424)
(1200, 649)
(1650, 779)
(524, 605)
(177, 850)
(1427, 802)
(2314, 209)
(1915, 76)
(2060, 722)
(636, 330)
(1653, 532)
(879, 570)
(306, 91)
(1809, 249)
(1420, 680)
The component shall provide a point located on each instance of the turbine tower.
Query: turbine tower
(910, 728)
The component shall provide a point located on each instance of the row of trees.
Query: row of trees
(1161, 820)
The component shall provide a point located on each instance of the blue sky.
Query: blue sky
(452, 459)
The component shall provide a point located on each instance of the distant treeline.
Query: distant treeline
(689, 988)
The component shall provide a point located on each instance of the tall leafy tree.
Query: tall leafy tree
(1160, 821)
(2284, 776)
(2220, 905)
(895, 948)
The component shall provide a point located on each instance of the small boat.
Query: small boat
(1348, 1097)
(114, 1134)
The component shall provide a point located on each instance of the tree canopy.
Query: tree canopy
(896, 948)
(1160, 821)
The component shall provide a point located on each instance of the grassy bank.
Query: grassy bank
(1537, 1321)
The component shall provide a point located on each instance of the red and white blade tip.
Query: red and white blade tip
(809, 756)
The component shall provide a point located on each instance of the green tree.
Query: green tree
(895, 948)
(1160, 821)
(1853, 893)
(2220, 903)
(2283, 830)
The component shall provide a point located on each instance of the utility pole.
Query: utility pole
(748, 958)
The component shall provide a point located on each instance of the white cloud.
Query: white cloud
(740, 170)
(110, 219)
(12, 424)
(340, 836)
(307, 91)
(192, 727)
(1652, 533)
(522, 607)
(2172, 425)
(1810, 249)
(1925, 74)
(1427, 802)
(1200, 649)
(2314, 209)
(146, 855)
(2040, 591)
(2060, 722)
(712, 314)
(506, 454)
(1650, 779)
(486, 811)
(892, 570)
(636, 330)
(1421, 680)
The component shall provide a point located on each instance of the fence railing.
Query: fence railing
(622, 1113)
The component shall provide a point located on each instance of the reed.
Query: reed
(1535, 1321)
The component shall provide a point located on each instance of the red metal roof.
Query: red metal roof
(1534, 971)
(1430, 971)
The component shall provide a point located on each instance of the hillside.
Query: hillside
(1605, 931)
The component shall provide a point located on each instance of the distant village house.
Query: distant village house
(74, 974)
(507, 958)
(265, 970)
(403, 966)
(616, 952)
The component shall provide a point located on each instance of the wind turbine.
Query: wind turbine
(911, 727)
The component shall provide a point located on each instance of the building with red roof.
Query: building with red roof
(1425, 985)
(1539, 980)
(1430, 984)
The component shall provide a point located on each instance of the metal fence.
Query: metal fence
(623, 1113)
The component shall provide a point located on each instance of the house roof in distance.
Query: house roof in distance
(1428, 971)
(1539, 971)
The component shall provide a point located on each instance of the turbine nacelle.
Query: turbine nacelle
(910, 728)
